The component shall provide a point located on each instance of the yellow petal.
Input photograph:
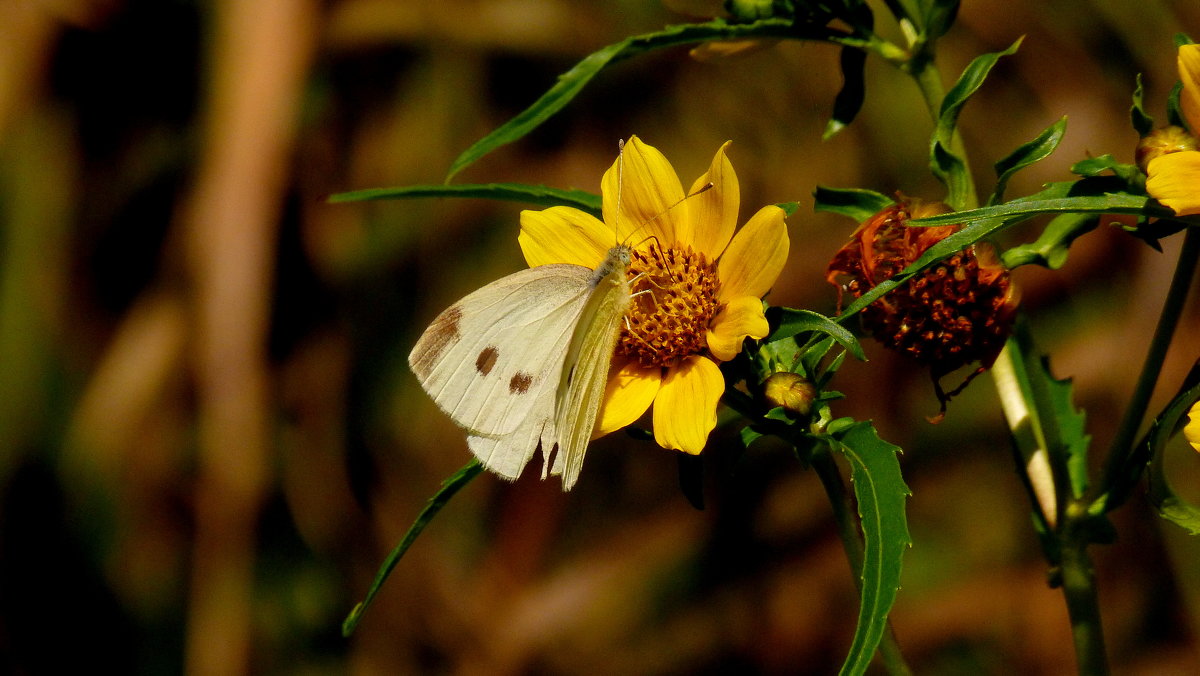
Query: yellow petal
(648, 188)
(1189, 74)
(630, 391)
(713, 214)
(563, 235)
(743, 316)
(1192, 430)
(1174, 180)
(755, 257)
(685, 410)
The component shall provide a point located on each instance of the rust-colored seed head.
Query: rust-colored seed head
(956, 313)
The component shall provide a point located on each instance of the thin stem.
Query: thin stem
(1079, 590)
(1115, 464)
(929, 80)
(843, 515)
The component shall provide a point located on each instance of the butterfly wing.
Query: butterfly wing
(585, 372)
(494, 359)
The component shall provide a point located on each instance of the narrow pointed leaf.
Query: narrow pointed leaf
(850, 98)
(1142, 121)
(856, 204)
(449, 487)
(510, 192)
(573, 81)
(792, 322)
(880, 493)
(1029, 153)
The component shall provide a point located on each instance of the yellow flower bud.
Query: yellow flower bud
(1161, 142)
(791, 391)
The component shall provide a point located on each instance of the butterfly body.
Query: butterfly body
(522, 363)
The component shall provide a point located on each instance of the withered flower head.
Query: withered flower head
(956, 313)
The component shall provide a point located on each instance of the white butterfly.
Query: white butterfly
(523, 362)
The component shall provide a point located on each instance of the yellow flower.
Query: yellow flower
(697, 286)
(1174, 178)
(1191, 431)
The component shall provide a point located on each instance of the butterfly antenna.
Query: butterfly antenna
(620, 185)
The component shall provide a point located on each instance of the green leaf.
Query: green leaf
(449, 487)
(510, 192)
(1113, 203)
(1143, 123)
(1174, 110)
(1169, 504)
(939, 16)
(849, 100)
(880, 492)
(1034, 151)
(789, 208)
(947, 164)
(1041, 413)
(950, 169)
(858, 205)
(1050, 249)
(1097, 166)
(968, 83)
(574, 80)
(792, 322)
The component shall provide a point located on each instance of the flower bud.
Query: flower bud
(791, 391)
(1191, 431)
(1161, 142)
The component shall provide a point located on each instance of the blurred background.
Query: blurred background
(209, 437)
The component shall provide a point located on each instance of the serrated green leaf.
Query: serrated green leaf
(1142, 121)
(1048, 431)
(792, 322)
(509, 192)
(1050, 249)
(881, 493)
(573, 81)
(1169, 504)
(856, 204)
(449, 487)
(850, 97)
(1027, 154)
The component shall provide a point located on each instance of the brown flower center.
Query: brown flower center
(675, 298)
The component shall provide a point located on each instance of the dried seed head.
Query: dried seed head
(955, 313)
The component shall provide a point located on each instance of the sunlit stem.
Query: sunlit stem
(847, 525)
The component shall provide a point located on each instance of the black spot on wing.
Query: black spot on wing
(520, 383)
(487, 359)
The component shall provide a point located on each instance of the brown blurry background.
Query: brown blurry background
(209, 438)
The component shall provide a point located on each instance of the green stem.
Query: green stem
(1116, 464)
(843, 514)
(929, 80)
(1079, 590)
